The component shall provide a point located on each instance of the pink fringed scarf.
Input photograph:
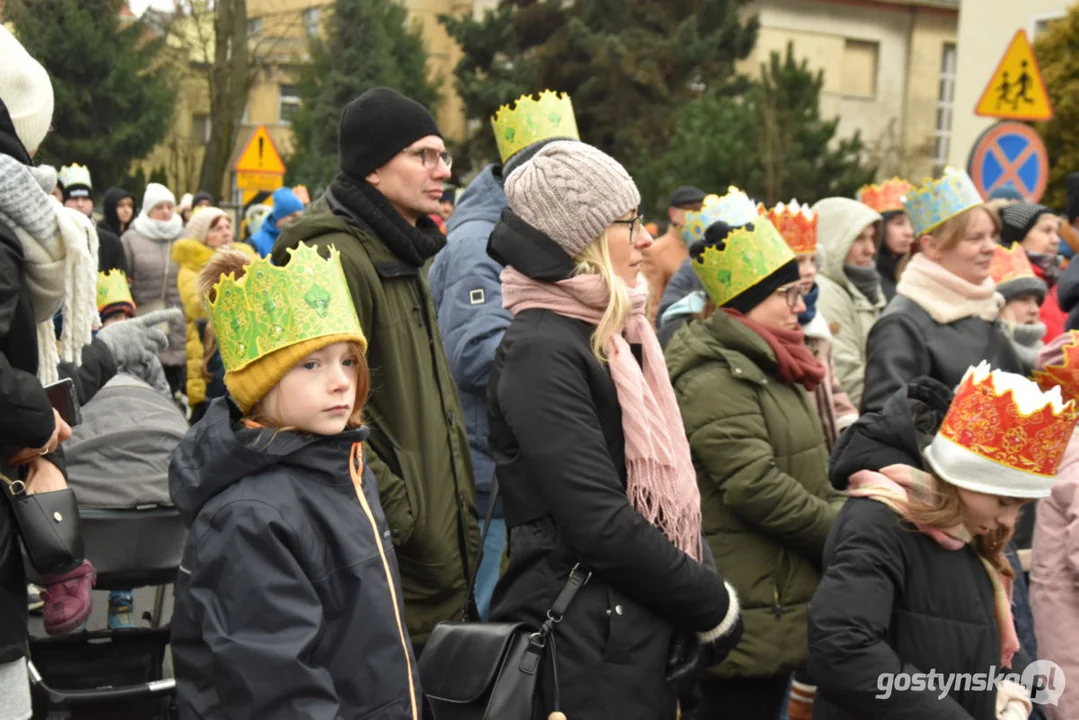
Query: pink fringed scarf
(894, 486)
(662, 484)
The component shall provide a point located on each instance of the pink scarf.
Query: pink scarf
(894, 486)
(662, 484)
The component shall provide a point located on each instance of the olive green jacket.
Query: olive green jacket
(762, 469)
(418, 446)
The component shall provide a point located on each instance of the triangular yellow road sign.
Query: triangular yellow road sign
(260, 155)
(1016, 91)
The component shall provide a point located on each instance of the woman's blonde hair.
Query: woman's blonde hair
(944, 509)
(951, 232)
(596, 260)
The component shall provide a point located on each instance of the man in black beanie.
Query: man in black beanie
(393, 165)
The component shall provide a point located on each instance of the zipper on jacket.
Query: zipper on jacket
(355, 467)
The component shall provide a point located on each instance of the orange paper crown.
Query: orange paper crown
(1010, 264)
(796, 223)
(1002, 435)
(886, 197)
(1066, 374)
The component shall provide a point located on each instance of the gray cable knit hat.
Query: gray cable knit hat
(571, 192)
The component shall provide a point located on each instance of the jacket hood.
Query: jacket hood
(895, 435)
(515, 243)
(112, 198)
(482, 201)
(190, 253)
(214, 455)
(10, 144)
(839, 222)
(723, 338)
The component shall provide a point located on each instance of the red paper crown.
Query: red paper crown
(1066, 374)
(886, 197)
(796, 223)
(991, 425)
(1010, 264)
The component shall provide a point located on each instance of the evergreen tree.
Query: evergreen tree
(771, 141)
(1057, 50)
(113, 96)
(369, 44)
(629, 67)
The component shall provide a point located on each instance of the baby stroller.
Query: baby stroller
(117, 462)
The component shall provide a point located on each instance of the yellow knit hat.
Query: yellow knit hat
(251, 383)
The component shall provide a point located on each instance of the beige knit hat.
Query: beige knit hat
(26, 91)
(571, 192)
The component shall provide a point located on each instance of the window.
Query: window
(200, 128)
(288, 104)
(311, 20)
(860, 68)
(942, 135)
(254, 26)
(1041, 23)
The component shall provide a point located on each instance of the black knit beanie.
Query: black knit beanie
(715, 236)
(1019, 219)
(376, 126)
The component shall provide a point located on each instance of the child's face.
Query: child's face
(318, 394)
(1024, 310)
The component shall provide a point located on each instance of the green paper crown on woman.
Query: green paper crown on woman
(749, 254)
(271, 307)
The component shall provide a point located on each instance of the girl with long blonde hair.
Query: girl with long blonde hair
(591, 455)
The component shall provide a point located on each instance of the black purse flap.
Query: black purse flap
(461, 660)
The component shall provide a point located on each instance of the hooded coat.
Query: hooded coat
(288, 599)
(850, 313)
(111, 220)
(192, 255)
(418, 447)
(891, 599)
(467, 293)
(153, 286)
(762, 469)
(560, 452)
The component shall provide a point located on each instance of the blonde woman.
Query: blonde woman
(915, 574)
(590, 452)
(946, 313)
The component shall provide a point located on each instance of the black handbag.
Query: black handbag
(49, 525)
(491, 671)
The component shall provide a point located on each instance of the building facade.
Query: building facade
(982, 44)
(888, 68)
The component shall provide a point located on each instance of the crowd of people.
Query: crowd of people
(758, 462)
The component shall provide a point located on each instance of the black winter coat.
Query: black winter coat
(906, 343)
(556, 436)
(110, 251)
(288, 600)
(891, 599)
(26, 417)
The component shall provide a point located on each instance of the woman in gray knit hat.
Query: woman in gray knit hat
(591, 455)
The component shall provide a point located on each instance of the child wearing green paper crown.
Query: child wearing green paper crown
(288, 600)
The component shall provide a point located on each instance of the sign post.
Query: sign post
(259, 167)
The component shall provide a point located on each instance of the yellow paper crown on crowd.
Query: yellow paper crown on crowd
(1010, 264)
(748, 255)
(531, 120)
(1066, 374)
(796, 223)
(272, 307)
(112, 289)
(886, 197)
(1002, 435)
(74, 174)
(735, 209)
(934, 202)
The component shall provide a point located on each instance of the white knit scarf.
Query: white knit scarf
(946, 296)
(59, 247)
(160, 230)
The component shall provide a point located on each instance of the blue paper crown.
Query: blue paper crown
(936, 201)
(735, 208)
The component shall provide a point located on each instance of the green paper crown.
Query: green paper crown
(112, 289)
(747, 258)
(272, 307)
(530, 121)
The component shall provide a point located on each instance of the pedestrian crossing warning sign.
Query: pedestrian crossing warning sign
(1016, 90)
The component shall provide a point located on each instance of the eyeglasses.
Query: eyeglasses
(430, 157)
(793, 294)
(635, 223)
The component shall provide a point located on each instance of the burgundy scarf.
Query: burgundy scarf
(795, 362)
